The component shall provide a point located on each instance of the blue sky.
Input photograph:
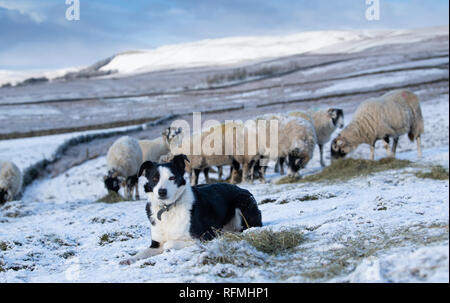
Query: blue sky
(35, 34)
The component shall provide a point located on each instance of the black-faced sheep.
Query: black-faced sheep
(325, 123)
(124, 159)
(153, 150)
(10, 181)
(391, 115)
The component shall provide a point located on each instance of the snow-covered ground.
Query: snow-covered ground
(386, 227)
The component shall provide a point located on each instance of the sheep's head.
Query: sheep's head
(337, 116)
(340, 147)
(171, 133)
(297, 160)
(4, 196)
(112, 182)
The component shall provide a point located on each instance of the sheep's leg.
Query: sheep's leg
(387, 147)
(394, 146)
(235, 171)
(262, 173)
(252, 171)
(220, 172)
(136, 188)
(419, 148)
(245, 172)
(206, 173)
(321, 155)
(372, 151)
(194, 180)
(282, 159)
(277, 166)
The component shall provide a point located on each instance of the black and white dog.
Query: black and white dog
(179, 213)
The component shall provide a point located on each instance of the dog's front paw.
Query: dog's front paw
(126, 262)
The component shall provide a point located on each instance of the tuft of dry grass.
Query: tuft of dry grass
(268, 241)
(345, 169)
(108, 238)
(437, 172)
(112, 197)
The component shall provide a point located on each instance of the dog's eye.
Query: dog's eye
(155, 179)
(172, 178)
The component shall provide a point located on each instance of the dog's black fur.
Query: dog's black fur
(214, 205)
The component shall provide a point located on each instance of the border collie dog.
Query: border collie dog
(179, 214)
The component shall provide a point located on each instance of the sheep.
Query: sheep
(391, 115)
(218, 157)
(325, 123)
(124, 159)
(296, 141)
(10, 181)
(153, 150)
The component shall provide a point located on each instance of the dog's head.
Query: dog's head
(340, 148)
(165, 181)
(4, 196)
(337, 116)
(112, 182)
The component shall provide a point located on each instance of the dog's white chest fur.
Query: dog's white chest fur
(176, 222)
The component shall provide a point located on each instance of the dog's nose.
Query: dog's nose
(147, 188)
(162, 192)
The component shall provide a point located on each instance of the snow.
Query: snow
(16, 76)
(53, 233)
(241, 49)
(25, 152)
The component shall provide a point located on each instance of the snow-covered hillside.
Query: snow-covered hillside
(229, 51)
(387, 227)
(235, 50)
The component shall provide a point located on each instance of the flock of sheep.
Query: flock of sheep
(389, 116)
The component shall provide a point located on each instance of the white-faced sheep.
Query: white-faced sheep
(153, 150)
(124, 158)
(296, 141)
(391, 115)
(325, 122)
(10, 181)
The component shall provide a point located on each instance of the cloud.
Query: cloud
(26, 8)
(108, 27)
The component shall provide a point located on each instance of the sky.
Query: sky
(35, 34)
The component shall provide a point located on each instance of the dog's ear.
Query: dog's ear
(178, 161)
(144, 166)
(166, 132)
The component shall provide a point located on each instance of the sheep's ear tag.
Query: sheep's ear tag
(297, 161)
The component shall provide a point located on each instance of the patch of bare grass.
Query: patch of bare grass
(345, 169)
